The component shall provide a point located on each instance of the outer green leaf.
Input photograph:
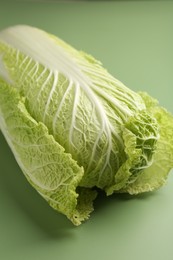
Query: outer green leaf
(51, 171)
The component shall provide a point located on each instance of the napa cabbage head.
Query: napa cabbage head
(74, 128)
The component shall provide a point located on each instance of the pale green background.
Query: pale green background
(134, 40)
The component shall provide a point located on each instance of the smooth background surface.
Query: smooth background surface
(134, 40)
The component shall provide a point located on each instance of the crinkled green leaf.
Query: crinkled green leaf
(140, 136)
(155, 176)
(53, 173)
